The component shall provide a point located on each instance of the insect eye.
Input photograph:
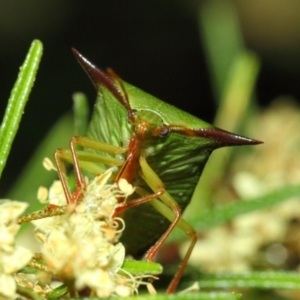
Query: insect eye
(163, 132)
(129, 116)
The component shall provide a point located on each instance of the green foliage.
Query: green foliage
(141, 267)
(258, 280)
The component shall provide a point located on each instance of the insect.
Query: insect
(158, 148)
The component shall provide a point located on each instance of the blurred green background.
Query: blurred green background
(155, 45)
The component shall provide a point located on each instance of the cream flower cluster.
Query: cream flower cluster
(12, 257)
(81, 246)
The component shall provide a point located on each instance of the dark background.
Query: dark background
(155, 45)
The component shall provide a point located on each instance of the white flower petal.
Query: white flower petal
(118, 256)
(7, 287)
(11, 210)
(80, 245)
(125, 187)
(17, 260)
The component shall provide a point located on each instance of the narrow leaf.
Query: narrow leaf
(135, 267)
(81, 113)
(18, 100)
(222, 40)
(228, 212)
(58, 292)
(222, 214)
(191, 296)
(28, 293)
(262, 280)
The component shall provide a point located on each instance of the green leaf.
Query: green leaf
(234, 71)
(222, 40)
(58, 292)
(81, 113)
(29, 270)
(238, 92)
(135, 267)
(228, 212)
(191, 296)
(262, 280)
(222, 214)
(34, 175)
(28, 293)
(236, 103)
(18, 100)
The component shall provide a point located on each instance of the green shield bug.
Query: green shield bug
(158, 148)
